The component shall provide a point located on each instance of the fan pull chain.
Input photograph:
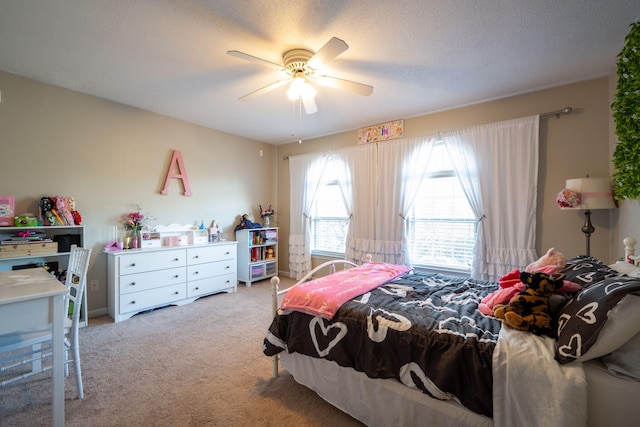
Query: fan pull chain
(300, 120)
(297, 132)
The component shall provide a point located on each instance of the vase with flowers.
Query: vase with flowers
(133, 224)
(265, 214)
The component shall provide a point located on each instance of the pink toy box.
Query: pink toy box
(6, 211)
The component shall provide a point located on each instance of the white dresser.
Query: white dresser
(142, 279)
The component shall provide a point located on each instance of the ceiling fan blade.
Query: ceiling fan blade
(348, 85)
(309, 103)
(265, 89)
(326, 53)
(255, 59)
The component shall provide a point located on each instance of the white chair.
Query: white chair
(16, 344)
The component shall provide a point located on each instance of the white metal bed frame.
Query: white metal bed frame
(275, 292)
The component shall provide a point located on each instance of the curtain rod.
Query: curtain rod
(557, 113)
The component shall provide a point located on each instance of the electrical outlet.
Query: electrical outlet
(94, 285)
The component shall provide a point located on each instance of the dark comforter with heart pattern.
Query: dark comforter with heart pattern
(422, 329)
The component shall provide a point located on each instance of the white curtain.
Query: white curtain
(402, 164)
(305, 175)
(357, 175)
(497, 165)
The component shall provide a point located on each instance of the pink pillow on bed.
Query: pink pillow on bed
(322, 297)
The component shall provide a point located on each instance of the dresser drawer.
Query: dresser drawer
(211, 285)
(152, 279)
(211, 253)
(139, 301)
(150, 261)
(202, 271)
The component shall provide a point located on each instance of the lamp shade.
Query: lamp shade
(595, 193)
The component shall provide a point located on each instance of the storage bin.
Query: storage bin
(65, 241)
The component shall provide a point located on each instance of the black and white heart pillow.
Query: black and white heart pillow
(582, 320)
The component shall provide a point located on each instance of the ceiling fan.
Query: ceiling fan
(302, 67)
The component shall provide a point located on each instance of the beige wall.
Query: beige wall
(111, 157)
(570, 147)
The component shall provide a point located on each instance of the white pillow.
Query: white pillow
(626, 268)
(625, 361)
(623, 322)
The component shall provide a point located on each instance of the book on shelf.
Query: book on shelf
(24, 241)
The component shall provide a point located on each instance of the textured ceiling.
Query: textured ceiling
(421, 56)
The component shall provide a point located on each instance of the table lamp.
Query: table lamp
(587, 194)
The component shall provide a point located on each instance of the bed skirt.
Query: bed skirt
(376, 402)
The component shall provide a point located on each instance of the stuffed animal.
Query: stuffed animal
(46, 212)
(529, 309)
(510, 285)
(71, 207)
(552, 257)
(271, 253)
(63, 212)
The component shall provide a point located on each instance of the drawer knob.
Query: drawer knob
(132, 302)
(197, 288)
(132, 283)
(197, 256)
(176, 276)
(227, 253)
(177, 293)
(133, 264)
(227, 267)
(195, 272)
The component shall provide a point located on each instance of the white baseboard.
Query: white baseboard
(99, 312)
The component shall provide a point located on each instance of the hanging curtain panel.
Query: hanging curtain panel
(498, 167)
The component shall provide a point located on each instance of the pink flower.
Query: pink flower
(568, 198)
(266, 212)
(134, 221)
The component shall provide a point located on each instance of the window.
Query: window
(442, 226)
(329, 216)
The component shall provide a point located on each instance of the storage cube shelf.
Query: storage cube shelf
(53, 250)
(257, 254)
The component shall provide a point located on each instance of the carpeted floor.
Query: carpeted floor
(200, 364)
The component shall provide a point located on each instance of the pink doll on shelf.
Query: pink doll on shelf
(71, 207)
(63, 212)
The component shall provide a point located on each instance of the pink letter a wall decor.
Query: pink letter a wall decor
(177, 170)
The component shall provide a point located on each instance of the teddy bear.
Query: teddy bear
(271, 253)
(551, 258)
(529, 309)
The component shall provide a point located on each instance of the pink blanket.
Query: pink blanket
(323, 297)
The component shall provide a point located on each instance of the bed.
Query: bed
(415, 350)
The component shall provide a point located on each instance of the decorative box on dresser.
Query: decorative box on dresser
(143, 279)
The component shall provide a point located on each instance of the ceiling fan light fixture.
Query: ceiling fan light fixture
(299, 88)
(302, 65)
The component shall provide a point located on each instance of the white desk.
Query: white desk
(33, 298)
